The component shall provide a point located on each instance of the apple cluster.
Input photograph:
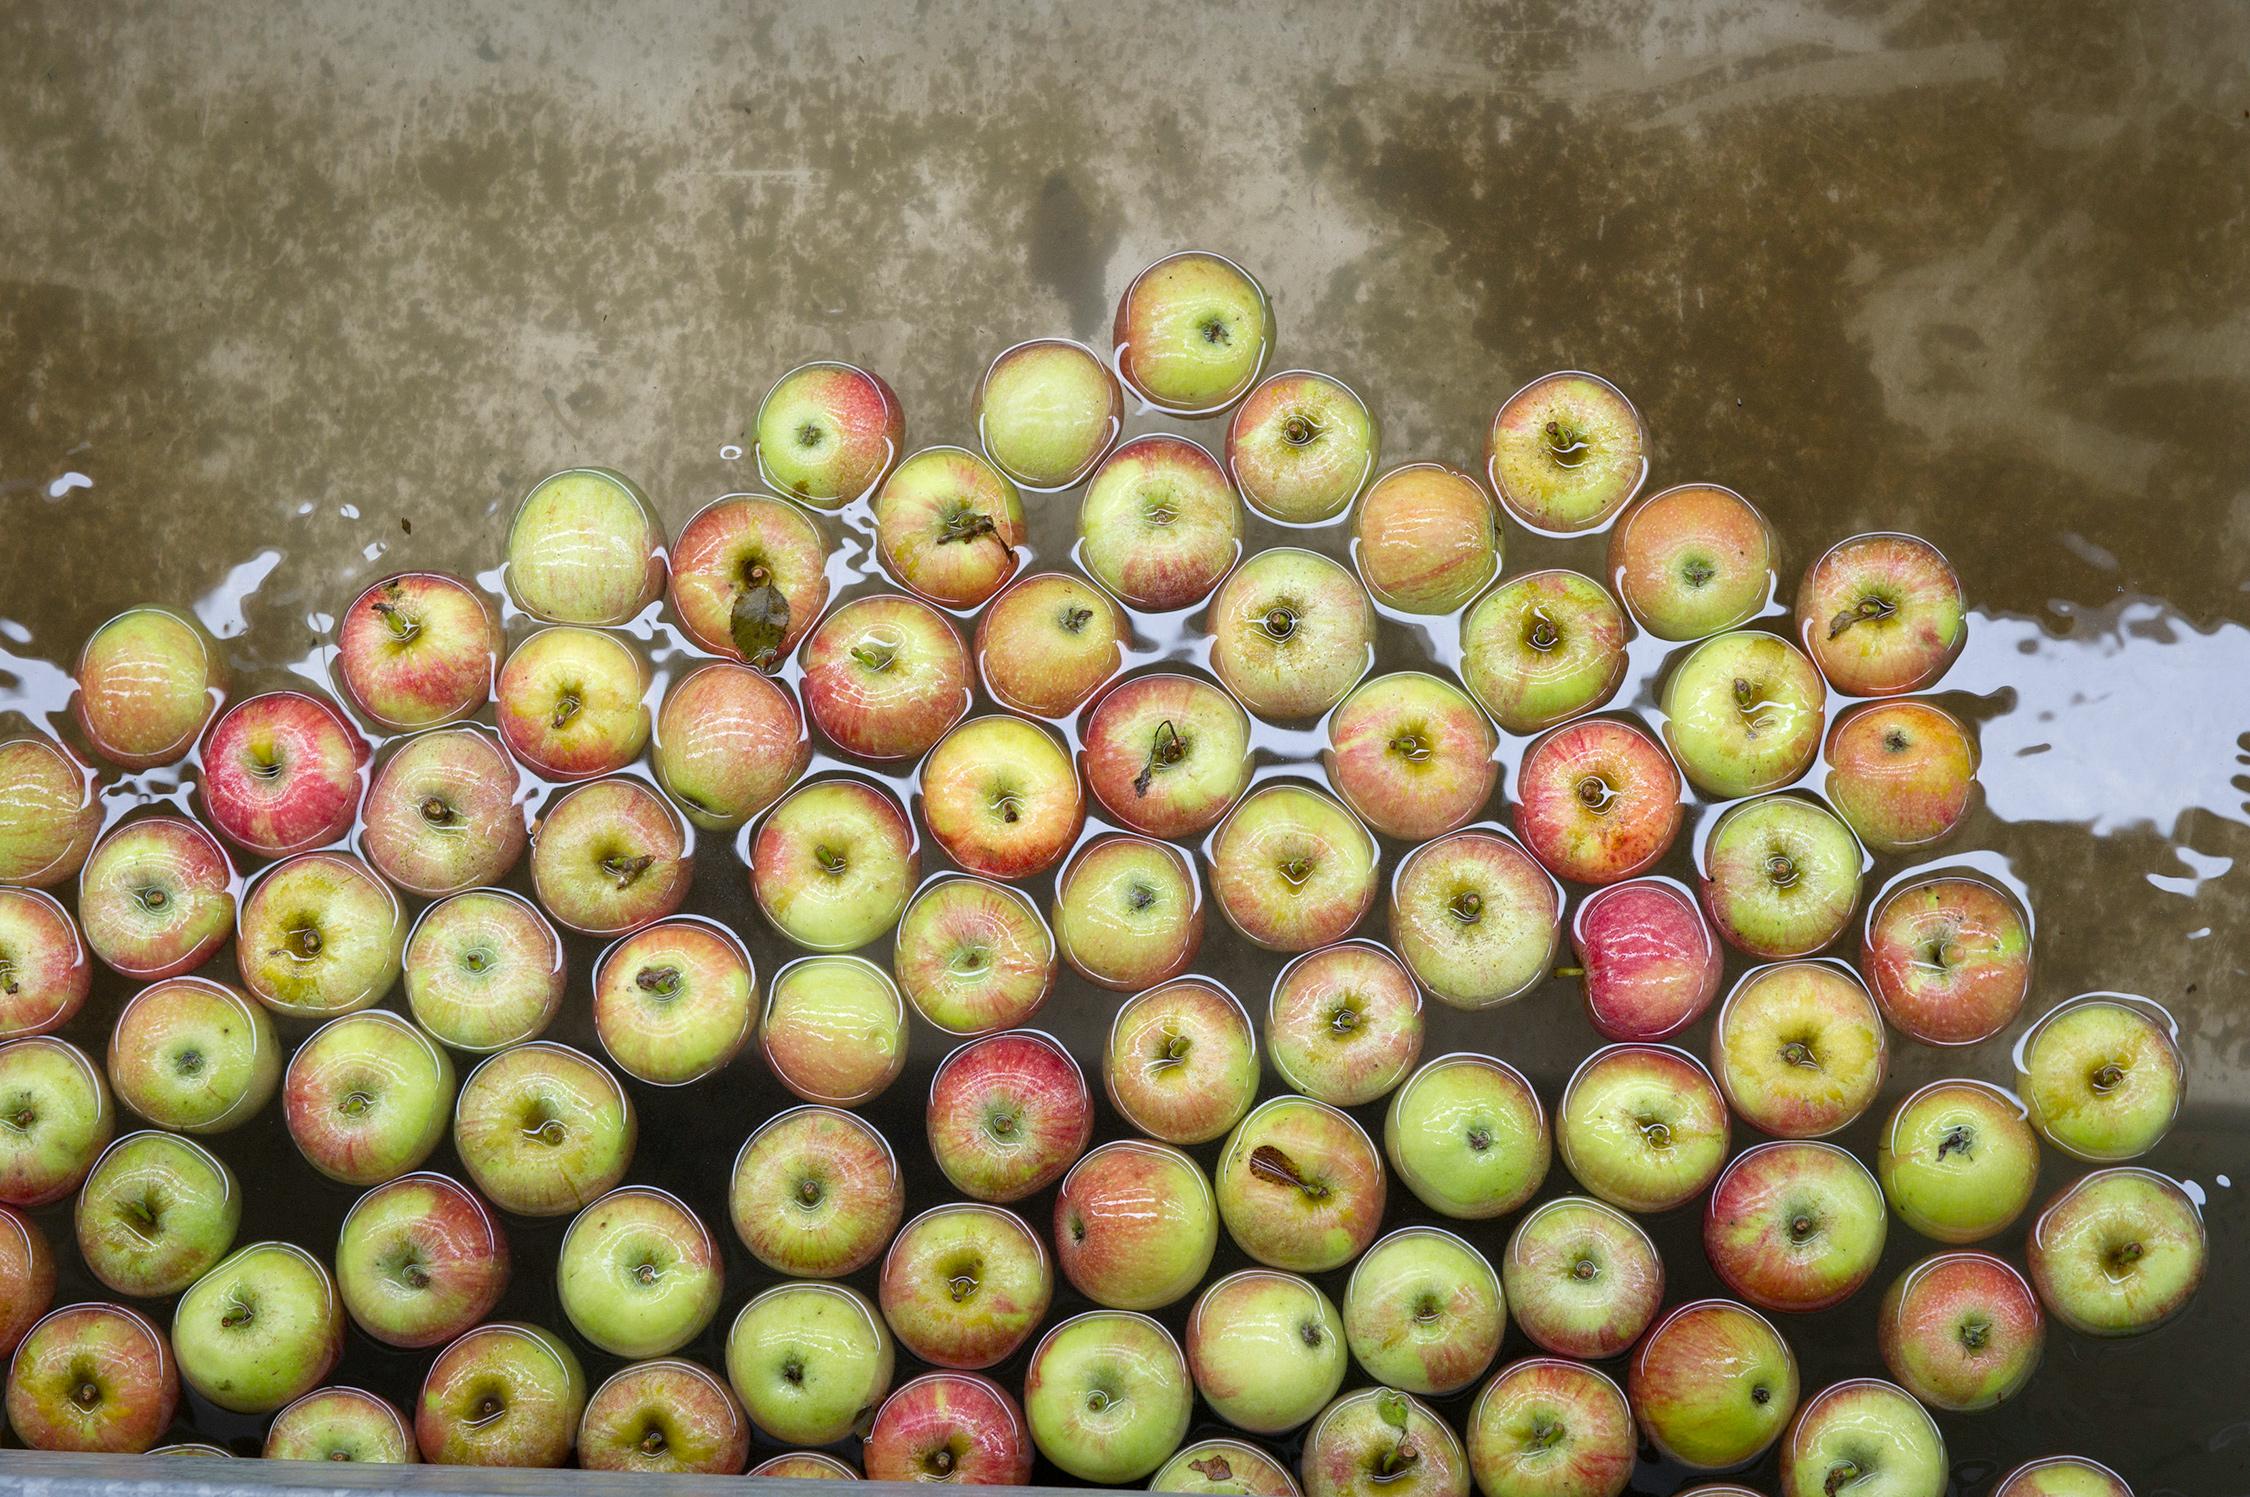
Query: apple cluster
(1295, 1264)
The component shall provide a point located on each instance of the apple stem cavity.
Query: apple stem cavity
(1279, 622)
(87, 1395)
(1840, 1475)
(1957, 1140)
(436, 812)
(1467, 907)
(623, 871)
(1299, 430)
(1798, 1053)
(831, 861)
(1867, 610)
(2106, 1077)
(1166, 748)
(1781, 870)
(876, 657)
(1566, 444)
(1412, 747)
(403, 625)
(303, 943)
(1542, 635)
(653, 1443)
(662, 981)
(566, 708)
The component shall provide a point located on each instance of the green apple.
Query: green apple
(1267, 1349)
(1744, 713)
(1423, 1312)
(1467, 1135)
(1957, 1160)
(1867, 1437)
(1642, 1126)
(1300, 1185)
(1107, 1396)
(2102, 1077)
(155, 1214)
(640, 1274)
(809, 1361)
(260, 1330)
(1713, 1384)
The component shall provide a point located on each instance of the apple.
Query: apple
(283, 772)
(1045, 412)
(1048, 642)
(1412, 755)
(27, 1269)
(1425, 538)
(728, 743)
(610, 856)
(1961, 1331)
(1582, 1279)
(417, 649)
(49, 815)
(1467, 1135)
(93, 1377)
(1423, 1312)
(1291, 632)
(157, 898)
(1957, 1160)
(1543, 647)
(1642, 1126)
(885, 676)
(1648, 960)
(640, 1274)
(1267, 1349)
(193, 1448)
(833, 862)
(1192, 334)
(1167, 755)
(55, 1119)
(1475, 918)
(1160, 523)
(2102, 1076)
(319, 935)
(1301, 447)
(543, 1129)
(504, 1394)
(1948, 958)
(1780, 876)
(442, 814)
(1181, 1061)
(573, 703)
(828, 432)
(1881, 614)
(676, 1001)
(261, 1329)
(1866, 1435)
(1380, 1441)
(1743, 713)
(1566, 452)
(1291, 868)
(1300, 1186)
(1598, 801)
(44, 973)
(342, 1424)
(948, 525)
(1794, 1225)
(949, 1427)
(193, 1055)
(1107, 1396)
(1001, 797)
(1344, 1024)
(810, 1361)
(749, 576)
(816, 1193)
(585, 548)
(1799, 1049)
(964, 1285)
(834, 1029)
(2119, 1252)
(667, 1417)
(1713, 1384)
(1135, 1226)
(1128, 912)
(2062, 1476)
(1904, 774)
(484, 970)
(420, 1260)
(154, 1214)
(1224, 1466)
(1546, 1427)
(1693, 560)
(1008, 1114)
(808, 1465)
(147, 681)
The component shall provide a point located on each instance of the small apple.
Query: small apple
(1291, 632)
(885, 676)
(1181, 1061)
(193, 1055)
(442, 814)
(1948, 958)
(27, 1270)
(417, 650)
(949, 1427)
(749, 576)
(1344, 1024)
(1048, 642)
(1234, 1468)
(1412, 755)
(1866, 1435)
(261, 1329)
(728, 741)
(1546, 1427)
(816, 1193)
(420, 1260)
(156, 1212)
(157, 898)
(573, 703)
(1192, 333)
(504, 1394)
(585, 547)
(610, 856)
(833, 862)
(543, 1129)
(1799, 1049)
(147, 681)
(1957, 1160)
(1597, 801)
(1301, 447)
(1135, 1226)
(1001, 797)
(1881, 614)
(49, 815)
(1962, 1331)
(1423, 1312)
(44, 973)
(1582, 1279)
(95, 1378)
(1379, 1442)
(809, 1465)
(810, 1361)
(1425, 538)
(964, 1285)
(1160, 523)
(342, 1424)
(1292, 869)
(484, 970)
(2119, 1252)
(1167, 755)
(283, 772)
(640, 1274)
(1008, 1114)
(667, 1417)
(827, 433)
(1713, 1384)
(1794, 1226)
(1642, 1126)
(834, 1029)
(55, 1119)
(948, 525)
(319, 935)
(1467, 1135)
(1128, 912)
(1780, 876)
(1566, 452)
(2062, 1476)
(1267, 1349)
(1693, 560)
(2102, 1076)
(1904, 774)
(1650, 962)
(1107, 1396)
(1743, 713)
(676, 1001)
(1476, 919)
(1543, 647)
(1045, 412)
(1300, 1186)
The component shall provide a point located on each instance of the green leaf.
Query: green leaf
(1391, 1404)
(759, 623)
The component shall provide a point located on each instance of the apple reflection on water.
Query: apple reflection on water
(1380, 677)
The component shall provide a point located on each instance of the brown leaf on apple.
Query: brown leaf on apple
(1276, 1168)
(759, 623)
(1212, 1468)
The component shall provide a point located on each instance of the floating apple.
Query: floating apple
(2102, 1076)
(1300, 1186)
(1957, 1160)
(1713, 1384)
(1743, 713)
(367, 1097)
(832, 864)
(1301, 447)
(504, 1394)
(27, 1267)
(809, 1361)
(973, 956)
(1546, 1427)
(728, 743)
(1475, 918)
(1794, 1226)
(2062, 1476)
(420, 1260)
(1345, 1023)
(2118, 1253)
(44, 972)
(1128, 912)
(749, 576)
(342, 1424)
(1864, 1433)
(93, 1377)
(1425, 538)
(885, 676)
(816, 1193)
(666, 1417)
(949, 1426)
(585, 548)
(1192, 333)
(1379, 1440)
(1291, 631)
(484, 970)
(1582, 1279)
(947, 526)
(1001, 797)
(965, 1285)
(1046, 411)
(1234, 1467)
(1799, 1049)
(639, 1274)
(543, 1129)
(1107, 1395)
(1412, 755)
(1160, 523)
(1780, 876)
(1693, 560)
(1904, 774)
(1962, 1331)
(442, 814)
(49, 815)
(1650, 963)
(1467, 1135)
(1948, 958)
(828, 432)
(1267, 1349)
(1597, 801)
(1048, 642)
(675, 1001)
(1167, 755)
(260, 1330)
(147, 681)
(610, 856)
(57, 1119)
(283, 772)
(1008, 1114)
(1881, 614)
(1642, 1126)
(155, 1214)
(1566, 452)
(193, 1055)
(834, 1029)
(1292, 869)
(417, 650)
(1181, 1062)
(1423, 1312)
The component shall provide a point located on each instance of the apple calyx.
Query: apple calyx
(1974, 1332)
(355, 1103)
(1958, 1139)
(1865, 611)
(1344, 1018)
(1546, 1432)
(1698, 571)
(1803, 1226)
(8, 983)
(1584, 1269)
(87, 1395)
(1275, 1167)
(664, 982)
(759, 620)
(1166, 748)
(1781, 870)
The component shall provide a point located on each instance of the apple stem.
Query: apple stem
(1468, 907)
(1566, 444)
(8, 983)
(829, 859)
(1543, 635)
(1866, 610)
(566, 708)
(86, 1395)
(1167, 747)
(1570, 972)
(965, 524)
(1841, 1475)
(436, 812)
(2107, 1078)
(152, 900)
(403, 625)
(1280, 621)
(874, 657)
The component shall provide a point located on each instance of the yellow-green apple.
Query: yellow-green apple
(1267, 1349)
(417, 650)
(368, 1097)
(572, 703)
(833, 862)
(1598, 801)
(1743, 713)
(1467, 1135)
(443, 813)
(1475, 917)
(964, 1285)
(48, 811)
(1799, 1048)
(1301, 447)
(1712, 1384)
(810, 1361)
(749, 576)
(27, 1268)
(585, 547)
(1425, 538)
(2062, 1476)
(55, 1119)
(1379, 1442)
(1128, 912)
(1224, 1467)
(1780, 876)
(811, 1465)
(543, 1129)
(885, 676)
(1001, 797)
(1045, 412)
(639, 1275)
(827, 433)
(484, 970)
(157, 898)
(949, 1427)
(504, 1394)
(1135, 1226)
(816, 1193)
(1692, 560)
(1048, 642)
(95, 1378)
(1008, 1114)
(1582, 1279)
(2119, 1252)
(342, 1424)
(44, 971)
(1794, 1225)
(1867, 1436)
(193, 1448)
(1412, 755)
(1160, 523)
(1292, 869)
(834, 1029)
(1566, 452)
(1547, 1427)
(1181, 1061)
(1903, 774)
(676, 1001)
(1192, 333)
(1648, 961)
(1300, 1186)
(610, 856)
(419, 1260)
(947, 526)
(1642, 1126)
(1881, 614)
(665, 1417)
(1344, 1024)
(155, 1213)
(1167, 755)
(1962, 1331)
(147, 681)
(1957, 1160)
(1107, 1396)
(2102, 1076)
(728, 742)
(1543, 647)
(1423, 1312)
(1948, 958)
(283, 772)
(261, 1329)
(1291, 631)
(973, 956)
(193, 1055)
(319, 935)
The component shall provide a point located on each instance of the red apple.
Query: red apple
(417, 650)
(282, 773)
(749, 576)
(1651, 964)
(885, 676)
(1598, 800)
